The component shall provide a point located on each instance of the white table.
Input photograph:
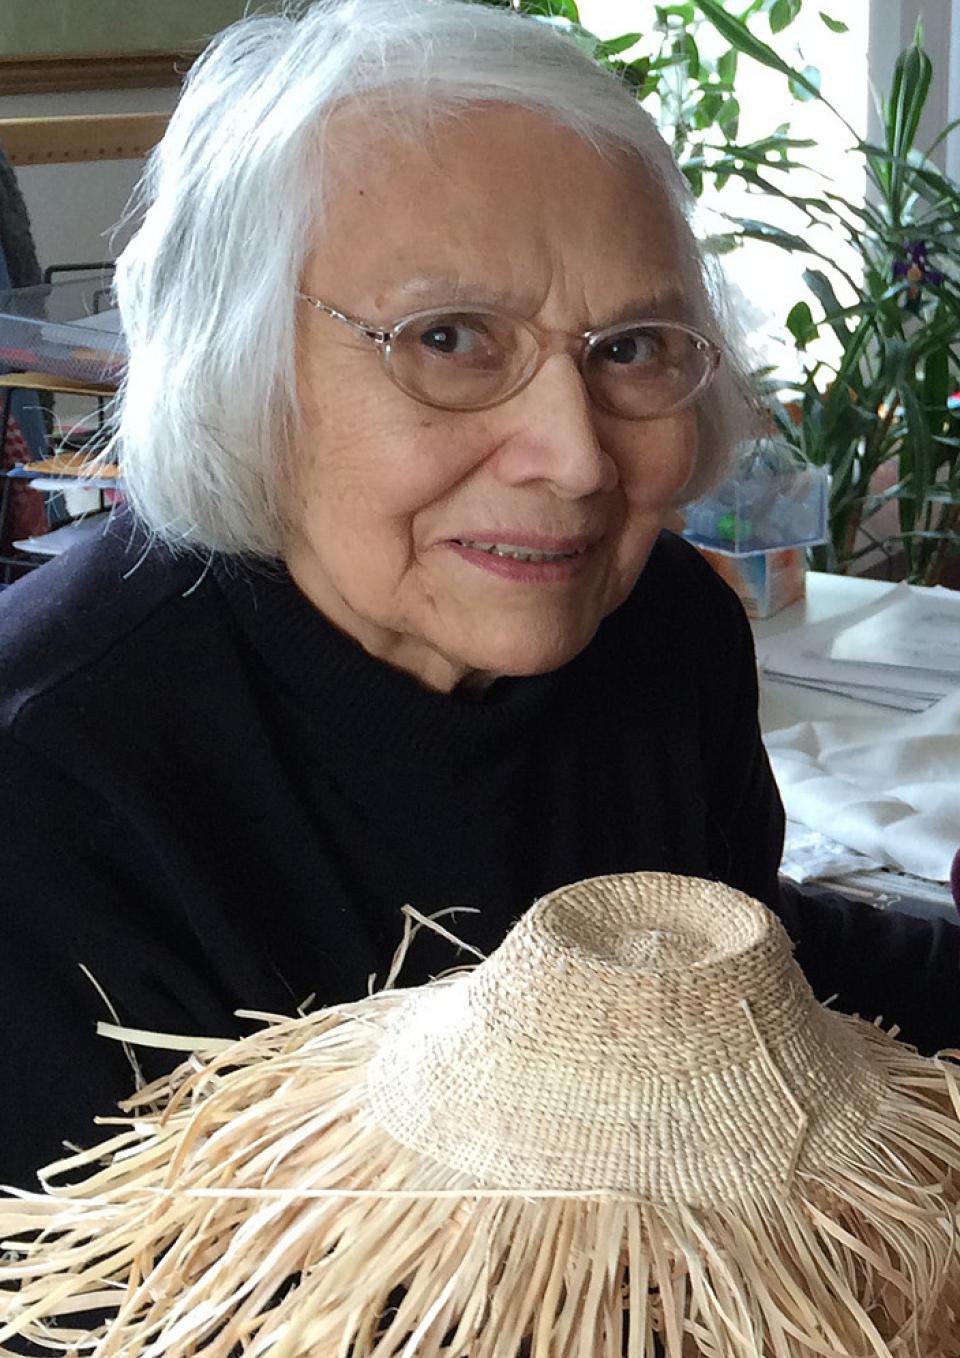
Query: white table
(783, 704)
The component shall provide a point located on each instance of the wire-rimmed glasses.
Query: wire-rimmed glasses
(475, 357)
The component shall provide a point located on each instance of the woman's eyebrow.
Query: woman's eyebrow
(671, 304)
(660, 303)
(443, 288)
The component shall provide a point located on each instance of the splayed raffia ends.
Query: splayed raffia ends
(265, 1165)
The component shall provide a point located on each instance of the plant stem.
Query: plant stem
(851, 529)
(948, 525)
(883, 429)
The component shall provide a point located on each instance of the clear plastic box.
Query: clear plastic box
(772, 501)
(68, 329)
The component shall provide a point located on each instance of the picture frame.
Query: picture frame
(51, 73)
(57, 46)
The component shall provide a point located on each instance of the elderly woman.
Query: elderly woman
(422, 360)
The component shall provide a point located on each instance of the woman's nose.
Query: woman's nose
(552, 434)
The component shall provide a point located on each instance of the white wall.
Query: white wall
(73, 208)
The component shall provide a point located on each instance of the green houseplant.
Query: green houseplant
(697, 92)
(888, 402)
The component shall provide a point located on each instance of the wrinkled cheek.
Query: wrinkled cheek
(300, 480)
(652, 491)
(655, 484)
(683, 456)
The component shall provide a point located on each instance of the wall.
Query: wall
(31, 26)
(74, 208)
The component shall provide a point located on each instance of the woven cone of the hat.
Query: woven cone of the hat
(630, 1122)
(644, 1033)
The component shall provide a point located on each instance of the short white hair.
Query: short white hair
(233, 201)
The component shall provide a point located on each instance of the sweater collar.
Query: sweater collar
(356, 698)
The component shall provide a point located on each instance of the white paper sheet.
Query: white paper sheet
(915, 631)
(848, 654)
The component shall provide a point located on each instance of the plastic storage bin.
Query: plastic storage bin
(771, 501)
(65, 328)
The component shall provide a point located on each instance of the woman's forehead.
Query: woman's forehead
(500, 207)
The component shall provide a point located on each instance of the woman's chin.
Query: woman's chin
(519, 656)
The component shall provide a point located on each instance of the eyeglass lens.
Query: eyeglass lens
(468, 360)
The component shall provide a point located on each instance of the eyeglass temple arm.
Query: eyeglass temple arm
(372, 332)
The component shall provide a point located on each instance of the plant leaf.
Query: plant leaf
(782, 14)
(821, 287)
(685, 48)
(728, 116)
(936, 379)
(834, 25)
(917, 447)
(694, 177)
(681, 11)
(872, 218)
(727, 67)
(709, 106)
(942, 136)
(722, 244)
(801, 324)
(611, 47)
(916, 71)
(775, 235)
(740, 37)
(911, 83)
(551, 9)
(924, 171)
(779, 141)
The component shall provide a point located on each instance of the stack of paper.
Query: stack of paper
(902, 651)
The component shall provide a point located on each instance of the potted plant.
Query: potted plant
(884, 417)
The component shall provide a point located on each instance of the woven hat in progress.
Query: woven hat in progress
(631, 1126)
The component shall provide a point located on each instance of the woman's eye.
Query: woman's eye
(472, 342)
(637, 348)
(452, 337)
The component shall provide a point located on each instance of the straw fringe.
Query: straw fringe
(251, 1204)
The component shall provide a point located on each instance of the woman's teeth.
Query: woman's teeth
(515, 553)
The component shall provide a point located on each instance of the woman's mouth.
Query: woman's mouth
(542, 561)
(514, 553)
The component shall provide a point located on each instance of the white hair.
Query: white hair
(233, 200)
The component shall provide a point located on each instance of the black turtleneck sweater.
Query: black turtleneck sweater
(214, 800)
